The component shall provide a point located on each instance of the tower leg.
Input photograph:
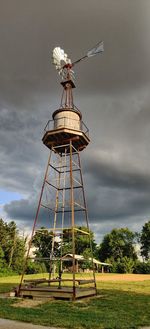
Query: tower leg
(34, 224)
(72, 221)
(87, 222)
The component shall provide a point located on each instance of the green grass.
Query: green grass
(120, 305)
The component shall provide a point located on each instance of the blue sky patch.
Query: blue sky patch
(7, 196)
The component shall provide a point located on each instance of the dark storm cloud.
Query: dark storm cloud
(19, 150)
(23, 210)
(112, 93)
(30, 29)
(105, 204)
(117, 175)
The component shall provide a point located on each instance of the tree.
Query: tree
(42, 240)
(142, 267)
(3, 233)
(145, 241)
(19, 249)
(12, 233)
(12, 246)
(125, 265)
(82, 241)
(2, 261)
(118, 244)
(8, 244)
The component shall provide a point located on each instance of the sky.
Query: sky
(112, 92)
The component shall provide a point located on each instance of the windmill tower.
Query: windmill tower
(62, 208)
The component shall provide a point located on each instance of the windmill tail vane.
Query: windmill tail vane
(64, 65)
(99, 48)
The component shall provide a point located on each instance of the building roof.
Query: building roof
(81, 258)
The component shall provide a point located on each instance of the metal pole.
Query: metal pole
(55, 219)
(72, 221)
(87, 221)
(63, 206)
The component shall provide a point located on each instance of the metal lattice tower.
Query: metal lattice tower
(62, 205)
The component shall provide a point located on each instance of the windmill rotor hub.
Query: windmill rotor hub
(68, 66)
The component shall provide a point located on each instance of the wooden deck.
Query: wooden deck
(56, 292)
(62, 136)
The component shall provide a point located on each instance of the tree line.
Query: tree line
(12, 248)
(118, 248)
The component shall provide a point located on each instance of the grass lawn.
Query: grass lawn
(120, 304)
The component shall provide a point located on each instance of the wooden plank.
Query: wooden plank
(38, 281)
(85, 281)
(34, 280)
(43, 294)
(84, 232)
(86, 293)
(65, 293)
(47, 288)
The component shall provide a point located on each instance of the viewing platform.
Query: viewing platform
(66, 125)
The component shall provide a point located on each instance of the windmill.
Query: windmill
(62, 204)
(59, 57)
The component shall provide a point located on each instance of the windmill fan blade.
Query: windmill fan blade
(58, 57)
(99, 48)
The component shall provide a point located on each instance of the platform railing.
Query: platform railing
(65, 122)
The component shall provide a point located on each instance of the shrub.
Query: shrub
(142, 267)
(125, 265)
(34, 268)
(121, 265)
(5, 271)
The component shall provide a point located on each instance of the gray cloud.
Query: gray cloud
(114, 170)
